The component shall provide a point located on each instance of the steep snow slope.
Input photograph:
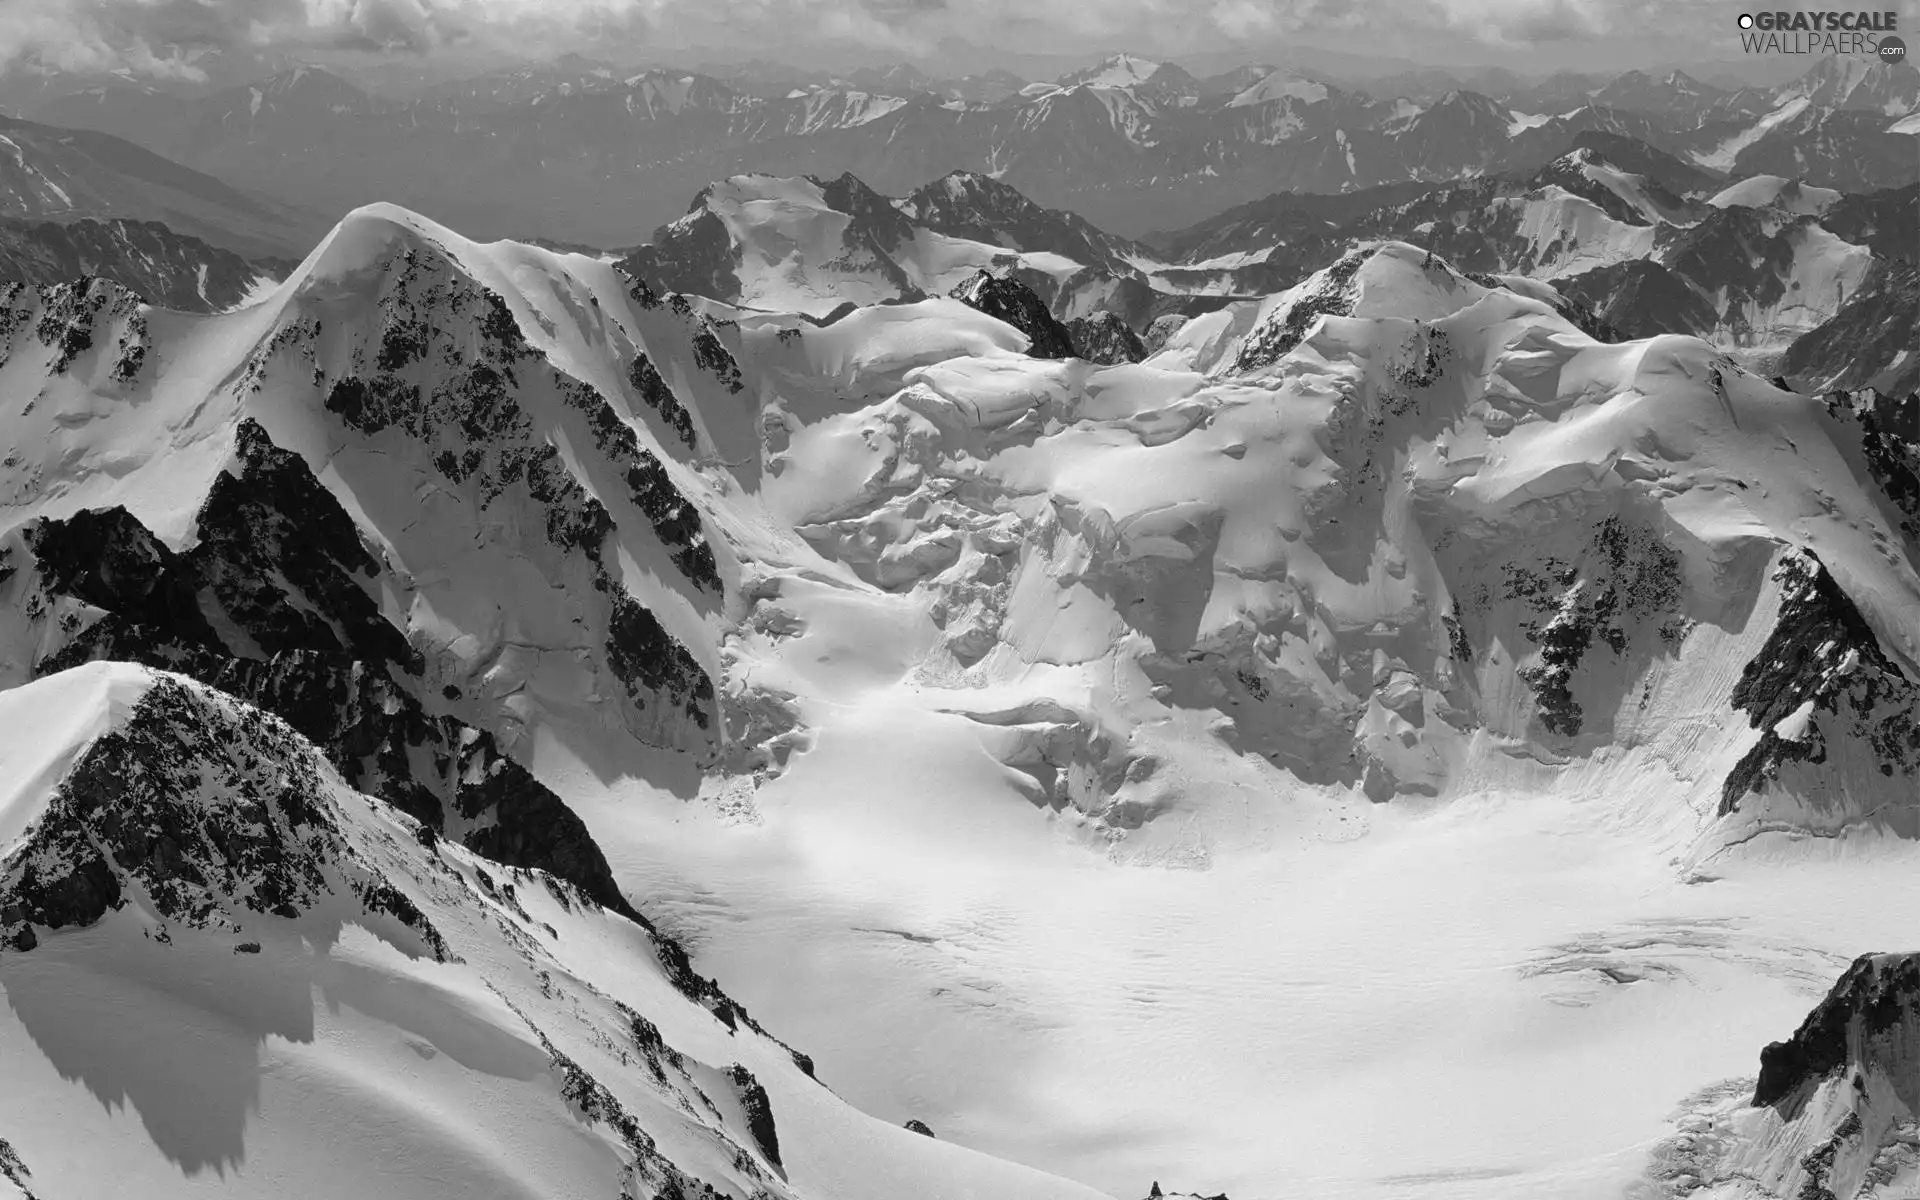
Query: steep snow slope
(226, 971)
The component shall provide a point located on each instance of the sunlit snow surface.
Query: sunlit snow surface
(1231, 981)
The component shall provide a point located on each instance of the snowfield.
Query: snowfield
(1387, 745)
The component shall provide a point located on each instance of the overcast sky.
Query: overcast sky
(176, 37)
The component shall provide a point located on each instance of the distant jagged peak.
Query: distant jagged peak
(1282, 85)
(1115, 71)
(313, 85)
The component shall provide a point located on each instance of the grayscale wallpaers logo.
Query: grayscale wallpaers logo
(1800, 32)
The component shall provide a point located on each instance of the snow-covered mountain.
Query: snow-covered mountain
(1647, 243)
(289, 988)
(810, 245)
(67, 174)
(577, 152)
(146, 257)
(1835, 1110)
(1445, 700)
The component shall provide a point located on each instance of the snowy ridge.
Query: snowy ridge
(552, 1048)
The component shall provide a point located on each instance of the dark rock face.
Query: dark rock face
(1890, 441)
(209, 807)
(1640, 298)
(284, 567)
(915, 1125)
(1282, 331)
(659, 397)
(77, 316)
(463, 408)
(1886, 222)
(1870, 341)
(1105, 338)
(1821, 653)
(1632, 576)
(753, 1101)
(694, 254)
(675, 520)
(1870, 1019)
(1013, 302)
(145, 257)
(983, 209)
(712, 355)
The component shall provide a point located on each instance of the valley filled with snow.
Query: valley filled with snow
(1387, 743)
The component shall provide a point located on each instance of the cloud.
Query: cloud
(170, 37)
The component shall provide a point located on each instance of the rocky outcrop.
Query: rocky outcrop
(75, 317)
(758, 1109)
(1325, 294)
(1105, 338)
(13, 1169)
(1834, 1114)
(694, 254)
(1869, 1020)
(1821, 678)
(1013, 302)
(299, 635)
(210, 809)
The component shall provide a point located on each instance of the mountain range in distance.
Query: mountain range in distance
(578, 152)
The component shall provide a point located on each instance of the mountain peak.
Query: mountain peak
(1114, 71)
(1281, 85)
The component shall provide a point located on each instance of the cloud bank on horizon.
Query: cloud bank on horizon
(172, 38)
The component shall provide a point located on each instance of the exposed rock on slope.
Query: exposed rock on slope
(165, 268)
(1822, 688)
(208, 810)
(1105, 338)
(1872, 341)
(1013, 302)
(282, 568)
(1835, 1112)
(241, 564)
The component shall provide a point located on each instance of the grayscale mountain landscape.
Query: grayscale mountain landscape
(937, 601)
